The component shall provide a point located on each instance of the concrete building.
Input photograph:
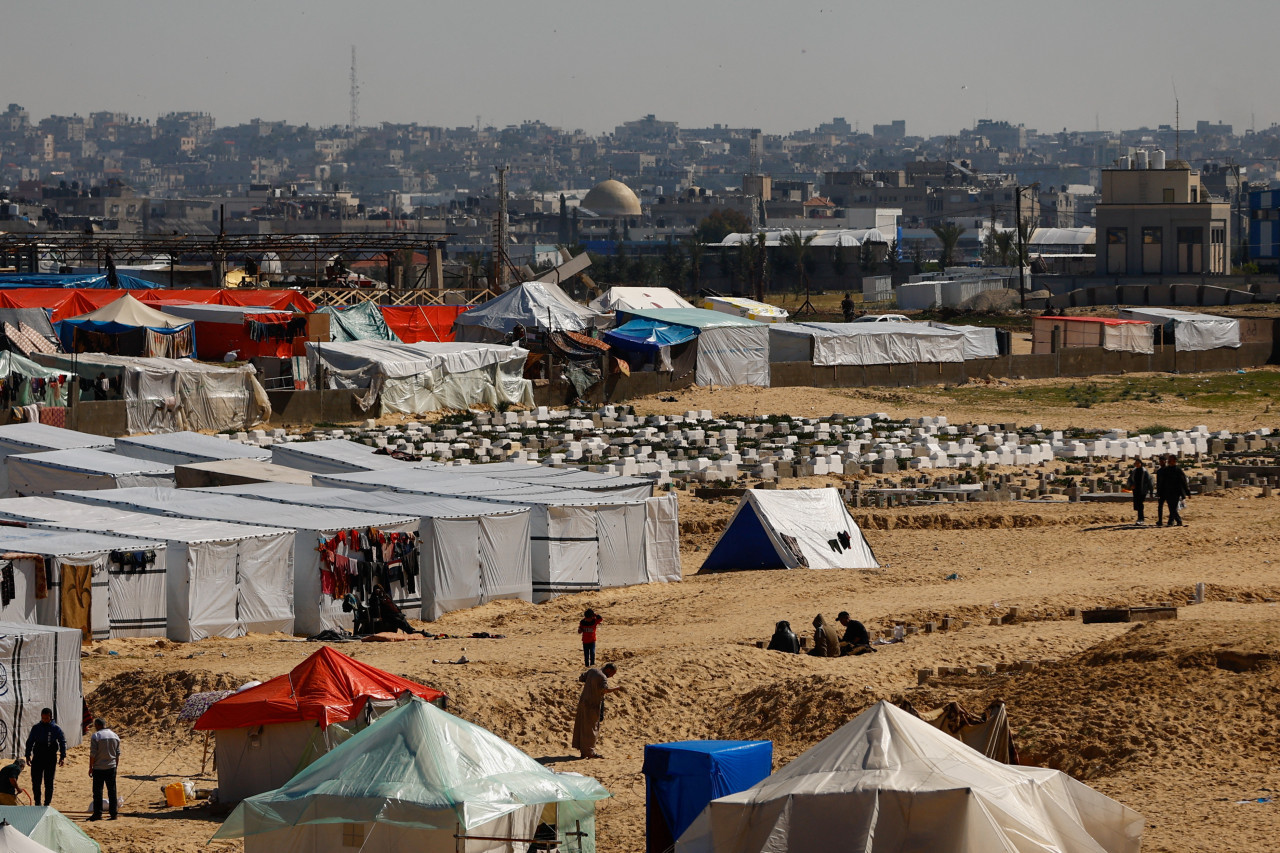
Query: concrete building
(1160, 221)
(1264, 228)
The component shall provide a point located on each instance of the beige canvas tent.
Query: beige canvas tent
(888, 781)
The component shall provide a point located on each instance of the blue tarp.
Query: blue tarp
(86, 280)
(681, 778)
(648, 334)
(744, 545)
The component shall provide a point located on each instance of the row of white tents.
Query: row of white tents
(226, 561)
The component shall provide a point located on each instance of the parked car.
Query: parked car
(883, 318)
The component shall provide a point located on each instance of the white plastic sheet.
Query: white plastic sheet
(876, 343)
(662, 539)
(20, 438)
(184, 448)
(41, 665)
(331, 456)
(888, 781)
(1191, 332)
(626, 298)
(979, 341)
(733, 355)
(425, 377)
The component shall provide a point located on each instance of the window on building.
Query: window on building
(1190, 235)
(1218, 235)
(1194, 195)
(1168, 195)
(1117, 236)
(1152, 236)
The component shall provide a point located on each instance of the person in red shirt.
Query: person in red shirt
(587, 628)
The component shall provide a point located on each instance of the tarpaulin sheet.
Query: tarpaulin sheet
(328, 687)
(42, 669)
(35, 437)
(648, 334)
(421, 772)
(425, 377)
(788, 529)
(979, 341)
(1191, 332)
(360, 322)
(62, 303)
(749, 308)
(681, 778)
(414, 323)
(183, 448)
(85, 280)
(887, 781)
(871, 343)
(733, 355)
(624, 298)
(169, 395)
(48, 826)
(534, 305)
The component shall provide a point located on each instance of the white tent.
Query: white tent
(472, 551)
(888, 781)
(50, 827)
(13, 841)
(578, 540)
(864, 343)
(1118, 335)
(171, 394)
(628, 298)
(729, 350)
(16, 439)
(424, 377)
(1191, 332)
(538, 305)
(182, 448)
(738, 306)
(315, 528)
(789, 529)
(221, 580)
(83, 468)
(559, 478)
(979, 341)
(42, 670)
(111, 585)
(332, 456)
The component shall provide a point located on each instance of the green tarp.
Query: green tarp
(50, 827)
(363, 322)
(420, 768)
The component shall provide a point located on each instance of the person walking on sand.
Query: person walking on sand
(46, 752)
(586, 722)
(587, 628)
(1140, 485)
(104, 758)
(1171, 488)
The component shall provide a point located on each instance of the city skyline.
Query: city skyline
(746, 64)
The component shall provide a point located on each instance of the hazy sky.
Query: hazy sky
(779, 65)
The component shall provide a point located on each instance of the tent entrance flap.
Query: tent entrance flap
(747, 545)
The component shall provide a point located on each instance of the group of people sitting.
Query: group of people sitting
(827, 642)
(380, 615)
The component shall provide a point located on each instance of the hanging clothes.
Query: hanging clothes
(77, 598)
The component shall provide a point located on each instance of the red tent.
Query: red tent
(63, 302)
(414, 323)
(328, 687)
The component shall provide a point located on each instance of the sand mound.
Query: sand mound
(147, 703)
(951, 521)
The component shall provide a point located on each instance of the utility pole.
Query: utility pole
(354, 118)
(498, 263)
(1017, 216)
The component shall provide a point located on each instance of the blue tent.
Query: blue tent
(648, 334)
(85, 280)
(681, 778)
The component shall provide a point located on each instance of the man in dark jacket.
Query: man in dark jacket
(1140, 485)
(856, 639)
(1171, 488)
(46, 751)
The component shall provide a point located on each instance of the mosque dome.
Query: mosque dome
(612, 198)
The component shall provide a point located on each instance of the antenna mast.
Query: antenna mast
(1177, 125)
(354, 117)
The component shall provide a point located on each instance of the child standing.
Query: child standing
(587, 628)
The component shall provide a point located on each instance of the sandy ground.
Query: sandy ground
(1177, 720)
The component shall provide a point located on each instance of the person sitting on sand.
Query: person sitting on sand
(826, 642)
(385, 614)
(856, 639)
(784, 639)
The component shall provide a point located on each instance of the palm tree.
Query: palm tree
(948, 235)
(796, 245)
(1004, 247)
